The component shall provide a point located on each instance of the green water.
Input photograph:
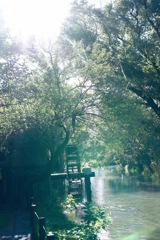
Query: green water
(134, 206)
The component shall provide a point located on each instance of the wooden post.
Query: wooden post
(87, 174)
(42, 232)
(51, 236)
(34, 234)
(88, 188)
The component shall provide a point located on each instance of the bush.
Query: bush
(95, 219)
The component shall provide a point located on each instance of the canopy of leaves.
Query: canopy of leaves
(98, 85)
(122, 65)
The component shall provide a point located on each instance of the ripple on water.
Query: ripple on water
(135, 210)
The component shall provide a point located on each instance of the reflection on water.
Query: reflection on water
(134, 206)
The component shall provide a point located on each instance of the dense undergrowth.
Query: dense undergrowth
(68, 219)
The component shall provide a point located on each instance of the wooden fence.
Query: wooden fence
(38, 228)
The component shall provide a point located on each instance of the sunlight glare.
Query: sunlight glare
(38, 17)
(41, 18)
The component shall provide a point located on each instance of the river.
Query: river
(134, 206)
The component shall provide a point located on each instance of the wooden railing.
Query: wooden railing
(38, 227)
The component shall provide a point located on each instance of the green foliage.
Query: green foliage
(61, 219)
(69, 203)
(122, 66)
(95, 216)
(95, 219)
(98, 86)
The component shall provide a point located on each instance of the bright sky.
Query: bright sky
(38, 17)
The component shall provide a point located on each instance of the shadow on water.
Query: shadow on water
(130, 185)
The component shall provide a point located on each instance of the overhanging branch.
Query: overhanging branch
(149, 100)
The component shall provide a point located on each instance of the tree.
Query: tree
(122, 63)
(41, 111)
(13, 74)
(134, 40)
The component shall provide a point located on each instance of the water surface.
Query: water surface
(134, 206)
